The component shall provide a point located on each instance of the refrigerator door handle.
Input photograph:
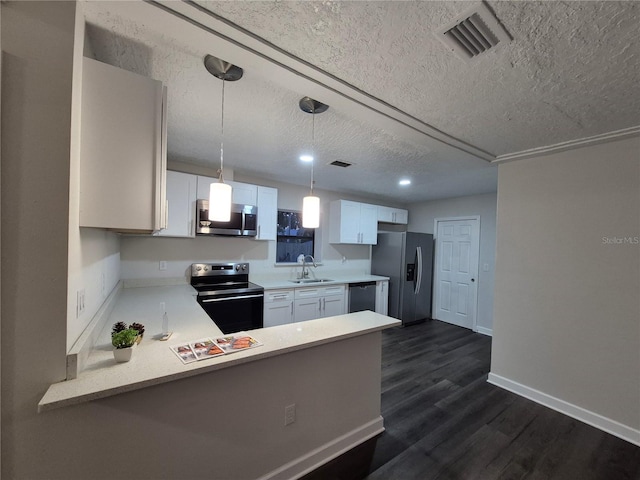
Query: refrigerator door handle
(419, 268)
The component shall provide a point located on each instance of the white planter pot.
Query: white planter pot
(122, 354)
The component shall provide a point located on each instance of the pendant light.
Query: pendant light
(311, 203)
(220, 192)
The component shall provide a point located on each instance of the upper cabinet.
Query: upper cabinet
(267, 213)
(181, 205)
(241, 193)
(123, 150)
(353, 222)
(244, 193)
(393, 215)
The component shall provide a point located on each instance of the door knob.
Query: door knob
(473, 279)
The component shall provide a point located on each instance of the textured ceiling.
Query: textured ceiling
(571, 71)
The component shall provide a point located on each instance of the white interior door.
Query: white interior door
(456, 272)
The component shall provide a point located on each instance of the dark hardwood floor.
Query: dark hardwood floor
(444, 421)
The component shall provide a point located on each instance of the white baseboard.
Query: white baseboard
(323, 454)
(590, 418)
(484, 331)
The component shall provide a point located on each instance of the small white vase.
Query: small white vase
(122, 354)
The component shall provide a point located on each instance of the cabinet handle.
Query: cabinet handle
(291, 309)
(259, 231)
(319, 304)
(324, 304)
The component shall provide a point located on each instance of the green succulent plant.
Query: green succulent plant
(124, 338)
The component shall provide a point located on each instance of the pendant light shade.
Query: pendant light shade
(220, 202)
(220, 192)
(311, 203)
(310, 212)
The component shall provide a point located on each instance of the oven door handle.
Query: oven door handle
(226, 299)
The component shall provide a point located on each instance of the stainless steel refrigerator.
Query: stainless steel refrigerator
(407, 259)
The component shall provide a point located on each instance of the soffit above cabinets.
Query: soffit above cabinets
(401, 103)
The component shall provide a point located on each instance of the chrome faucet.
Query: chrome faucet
(305, 271)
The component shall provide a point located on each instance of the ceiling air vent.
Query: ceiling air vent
(473, 32)
(340, 163)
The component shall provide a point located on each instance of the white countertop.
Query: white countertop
(273, 283)
(154, 363)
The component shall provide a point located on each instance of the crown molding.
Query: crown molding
(570, 145)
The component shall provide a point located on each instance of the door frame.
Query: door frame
(436, 264)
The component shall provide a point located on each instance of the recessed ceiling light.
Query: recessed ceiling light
(306, 158)
(404, 182)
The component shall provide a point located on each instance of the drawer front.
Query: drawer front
(334, 290)
(278, 296)
(309, 292)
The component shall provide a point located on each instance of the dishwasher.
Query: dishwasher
(362, 296)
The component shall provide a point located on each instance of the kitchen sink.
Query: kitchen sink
(311, 280)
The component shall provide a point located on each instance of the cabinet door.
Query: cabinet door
(181, 204)
(333, 305)
(267, 213)
(307, 309)
(400, 216)
(123, 134)
(278, 313)
(203, 187)
(368, 224)
(244, 193)
(382, 297)
(385, 214)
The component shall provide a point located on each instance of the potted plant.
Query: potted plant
(120, 326)
(122, 342)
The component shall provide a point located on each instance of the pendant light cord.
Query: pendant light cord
(313, 145)
(220, 179)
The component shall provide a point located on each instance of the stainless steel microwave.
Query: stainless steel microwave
(243, 222)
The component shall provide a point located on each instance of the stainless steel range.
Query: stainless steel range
(227, 295)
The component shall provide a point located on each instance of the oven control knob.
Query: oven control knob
(244, 266)
(206, 269)
(198, 268)
(237, 267)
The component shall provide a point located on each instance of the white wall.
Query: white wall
(141, 255)
(567, 315)
(421, 219)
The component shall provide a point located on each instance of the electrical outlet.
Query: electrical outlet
(80, 303)
(163, 265)
(289, 414)
(485, 267)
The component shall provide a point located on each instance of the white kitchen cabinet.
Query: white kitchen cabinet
(393, 215)
(353, 222)
(382, 297)
(181, 205)
(241, 193)
(278, 307)
(267, 213)
(244, 193)
(122, 150)
(319, 302)
(203, 187)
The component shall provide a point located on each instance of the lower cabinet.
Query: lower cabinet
(319, 302)
(301, 304)
(278, 307)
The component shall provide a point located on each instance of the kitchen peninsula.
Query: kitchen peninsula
(231, 409)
